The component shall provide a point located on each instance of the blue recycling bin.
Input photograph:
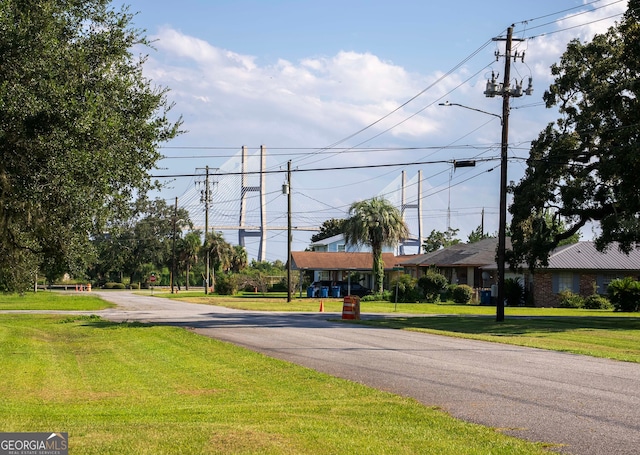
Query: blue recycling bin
(324, 291)
(310, 291)
(335, 291)
(485, 297)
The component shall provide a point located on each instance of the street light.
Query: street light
(447, 103)
(504, 90)
(502, 223)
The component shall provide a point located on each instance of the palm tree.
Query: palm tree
(188, 251)
(220, 252)
(239, 260)
(376, 223)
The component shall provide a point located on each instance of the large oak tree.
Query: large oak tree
(79, 130)
(585, 167)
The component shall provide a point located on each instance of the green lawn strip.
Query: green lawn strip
(608, 337)
(134, 388)
(48, 300)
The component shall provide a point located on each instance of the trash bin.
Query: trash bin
(351, 307)
(310, 291)
(324, 291)
(335, 291)
(485, 297)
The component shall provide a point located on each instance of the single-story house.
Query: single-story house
(462, 263)
(582, 269)
(578, 267)
(326, 266)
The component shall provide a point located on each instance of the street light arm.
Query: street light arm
(447, 103)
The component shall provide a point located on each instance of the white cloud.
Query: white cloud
(230, 99)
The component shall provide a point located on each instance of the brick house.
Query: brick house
(578, 267)
(582, 269)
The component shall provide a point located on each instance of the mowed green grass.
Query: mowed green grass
(142, 389)
(55, 301)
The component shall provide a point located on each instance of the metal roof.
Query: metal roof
(585, 256)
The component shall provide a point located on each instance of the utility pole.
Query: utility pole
(505, 90)
(173, 246)
(289, 236)
(205, 197)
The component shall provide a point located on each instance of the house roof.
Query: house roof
(585, 256)
(314, 260)
(475, 254)
(328, 240)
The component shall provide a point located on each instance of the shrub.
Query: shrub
(134, 286)
(597, 302)
(112, 285)
(568, 299)
(624, 294)
(379, 296)
(513, 291)
(431, 285)
(462, 294)
(226, 284)
(404, 287)
(280, 286)
(447, 293)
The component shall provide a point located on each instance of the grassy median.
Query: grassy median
(121, 388)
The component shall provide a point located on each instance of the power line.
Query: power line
(569, 9)
(321, 169)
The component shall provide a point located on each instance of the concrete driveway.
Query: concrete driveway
(586, 405)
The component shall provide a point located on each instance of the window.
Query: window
(341, 248)
(602, 281)
(566, 281)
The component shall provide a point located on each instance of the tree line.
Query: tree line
(81, 126)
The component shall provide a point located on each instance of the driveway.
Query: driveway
(586, 405)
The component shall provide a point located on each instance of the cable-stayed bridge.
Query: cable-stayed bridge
(245, 198)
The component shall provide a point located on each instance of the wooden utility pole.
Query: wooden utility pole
(173, 246)
(289, 236)
(504, 145)
(206, 228)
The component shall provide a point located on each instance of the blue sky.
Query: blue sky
(298, 76)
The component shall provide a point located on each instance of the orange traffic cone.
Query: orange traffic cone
(321, 307)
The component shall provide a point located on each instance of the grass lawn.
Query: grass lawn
(47, 300)
(144, 389)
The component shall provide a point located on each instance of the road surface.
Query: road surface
(587, 406)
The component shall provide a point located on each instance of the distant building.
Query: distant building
(578, 268)
(582, 269)
(327, 266)
(337, 244)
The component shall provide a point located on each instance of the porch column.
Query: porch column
(471, 276)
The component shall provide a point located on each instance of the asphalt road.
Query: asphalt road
(587, 406)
